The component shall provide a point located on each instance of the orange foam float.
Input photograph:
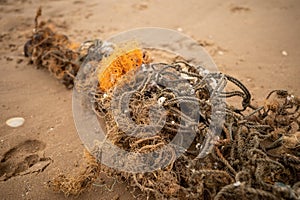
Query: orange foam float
(119, 63)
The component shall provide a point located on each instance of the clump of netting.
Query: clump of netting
(200, 146)
(48, 49)
(253, 153)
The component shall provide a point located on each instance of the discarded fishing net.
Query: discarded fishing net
(53, 51)
(170, 119)
(75, 185)
(160, 130)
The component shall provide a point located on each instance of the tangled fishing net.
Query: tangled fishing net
(254, 156)
(53, 51)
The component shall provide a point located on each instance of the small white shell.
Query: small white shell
(161, 100)
(284, 53)
(236, 184)
(220, 53)
(15, 122)
(179, 29)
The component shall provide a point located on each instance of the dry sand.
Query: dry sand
(255, 41)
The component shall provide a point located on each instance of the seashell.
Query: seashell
(284, 53)
(15, 122)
